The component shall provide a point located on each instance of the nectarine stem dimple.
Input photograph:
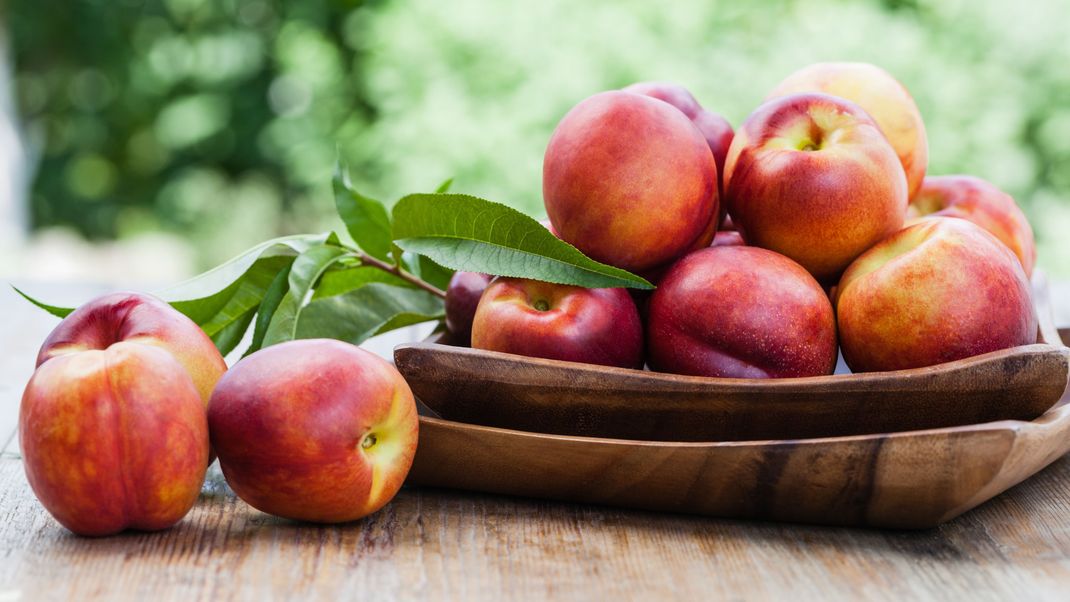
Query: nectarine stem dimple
(369, 441)
(542, 305)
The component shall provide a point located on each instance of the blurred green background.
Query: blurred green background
(206, 126)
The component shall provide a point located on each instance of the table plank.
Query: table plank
(442, 545)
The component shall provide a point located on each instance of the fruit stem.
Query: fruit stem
(369, 440)
(400, 272)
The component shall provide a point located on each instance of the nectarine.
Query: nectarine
(145, 319)
(555, 321)
(811, 176)
(940, 290)
(880, 95)
(112, 427)
(315, 430)
(462, 297)
(745, 312)
(630, 181)
(982, 203)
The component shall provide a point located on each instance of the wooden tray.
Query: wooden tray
(911, 480)
(908, 480)
(566, 398)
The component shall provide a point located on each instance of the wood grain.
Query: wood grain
(906, 480)
(567, 398)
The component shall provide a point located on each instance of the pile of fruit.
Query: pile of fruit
(811, 229)
(826, 234)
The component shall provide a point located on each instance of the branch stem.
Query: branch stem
(398, 271)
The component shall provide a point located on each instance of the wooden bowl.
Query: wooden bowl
(907, 480)
(566, 398)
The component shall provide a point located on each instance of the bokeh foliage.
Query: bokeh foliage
(213, 120)
(220, 120)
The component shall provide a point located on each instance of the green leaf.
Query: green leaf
(444, 187)
(410, 262)
(426, 270)
(305, 271)
(247, 293)
(227, 338)
(365, 218)
(367, 311)
(431, 272)
(337, 282)
(204, 296)
(468, 233)
(59, 312)
(397, 253)
(222, 295)
(272, 297)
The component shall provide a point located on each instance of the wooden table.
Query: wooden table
(430, 544)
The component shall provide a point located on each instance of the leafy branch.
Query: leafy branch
(400, 272)
(390, 274)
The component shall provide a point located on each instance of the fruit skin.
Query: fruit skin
(462, 297)
(940, 290)
(812, 177)
(714, 128)
(718, 134)
(742, 312)
(728, 238)
(982, 203)
(144, 319)
(880, 95)
(594, 326)
(674, 94)
(630, 181)
(114, 438)
(289, 424)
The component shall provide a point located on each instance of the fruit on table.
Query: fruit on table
(630, 181)
(812, 177)
(462, 297)
(880, 95)
(745, 312)
(714, 128)
(556, 321)
(315, 430)
(982, 203)
(112, 427)
(939, 290)
(144, 319)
